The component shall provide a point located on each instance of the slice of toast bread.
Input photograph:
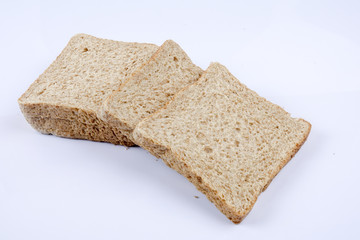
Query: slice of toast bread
(224, 138)
(75, 85)
(150, 88)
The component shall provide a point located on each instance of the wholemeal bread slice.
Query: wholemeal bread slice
(224, 138)
(66, 98)
(150, 88)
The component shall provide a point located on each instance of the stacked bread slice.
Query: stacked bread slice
(150, 88)
(66, 98)
(223, 137)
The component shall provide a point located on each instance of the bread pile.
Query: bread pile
(223, 137)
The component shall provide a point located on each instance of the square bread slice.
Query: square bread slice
(150, 88)
(224, 138)
(66, 98)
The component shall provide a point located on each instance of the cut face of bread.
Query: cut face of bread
(224, 138)
(78, 130)
(73, 88)
(150, 88)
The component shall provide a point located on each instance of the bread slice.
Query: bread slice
(66, 98)
(150, 88)
(224, 138)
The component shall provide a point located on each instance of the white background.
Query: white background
(302, 55)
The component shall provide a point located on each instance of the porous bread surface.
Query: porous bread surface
(150, 88)
(224, 138)
(86, 72)
(99, 132)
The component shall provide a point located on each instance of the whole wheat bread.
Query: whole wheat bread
(150, 88)
(66, 98)
(224, 138)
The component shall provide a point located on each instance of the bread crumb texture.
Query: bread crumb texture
(224, 138)
(76, 84)
(150, 88)
(74, 129)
